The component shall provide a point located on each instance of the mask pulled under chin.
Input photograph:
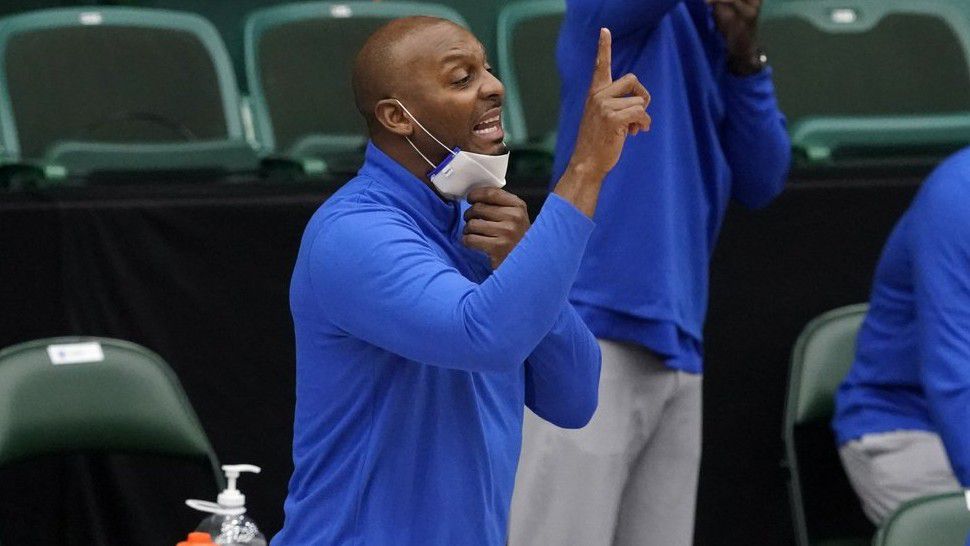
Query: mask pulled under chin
(460, 171)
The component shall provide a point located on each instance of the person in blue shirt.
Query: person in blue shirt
(902, 417)
(425, 324)
(630, 476)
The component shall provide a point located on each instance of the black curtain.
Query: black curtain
(200, 275)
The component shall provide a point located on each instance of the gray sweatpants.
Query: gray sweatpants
(890, 468)
(629, 477)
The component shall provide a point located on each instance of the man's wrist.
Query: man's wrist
(580, 185)
(585, 172)
(747, 63)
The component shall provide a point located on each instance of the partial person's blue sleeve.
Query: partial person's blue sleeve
(754, 138)
(620, 16)
(378, 279)
(941, 266)
(562, 374)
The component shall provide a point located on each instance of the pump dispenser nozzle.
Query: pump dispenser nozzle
(232, 497)
(230, 501)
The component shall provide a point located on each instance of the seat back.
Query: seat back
(228, 17)
(299, 61)
(860, 78)
(527, 36)
(113, 76)
(940, 520)
(824, 506)
(822, 356)
(73, 394)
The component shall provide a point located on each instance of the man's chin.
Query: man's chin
(492, 148)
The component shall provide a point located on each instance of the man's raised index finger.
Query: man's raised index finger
(602, 72)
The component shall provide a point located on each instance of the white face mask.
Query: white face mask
(461, 171)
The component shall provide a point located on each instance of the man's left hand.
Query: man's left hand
(738, 22)
(495, 223)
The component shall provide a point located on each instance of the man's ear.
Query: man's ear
(390, 114)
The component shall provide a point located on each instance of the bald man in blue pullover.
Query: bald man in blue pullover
(425, 322)
(630, 476)
(902, 415)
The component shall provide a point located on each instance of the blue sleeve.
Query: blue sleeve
(754, 138)
(562, 374)
(376, 278)
(941, 266)
(620, 16)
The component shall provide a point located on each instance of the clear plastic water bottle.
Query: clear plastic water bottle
(229, 525)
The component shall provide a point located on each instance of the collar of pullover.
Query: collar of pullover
(409, 192)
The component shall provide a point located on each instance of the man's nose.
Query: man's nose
(492, 87)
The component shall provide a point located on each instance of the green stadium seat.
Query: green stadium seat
(871, 79)
(129, 90)
(937, 520)
(104, 395)
(825, 510)
(527, 35)
(299, 60)
(228, 16)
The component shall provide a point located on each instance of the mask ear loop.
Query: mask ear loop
(415, 120)
(426, 160)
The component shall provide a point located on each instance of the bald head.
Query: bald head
(440, 71)
(384, 59)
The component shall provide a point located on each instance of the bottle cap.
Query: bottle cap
(197, 538)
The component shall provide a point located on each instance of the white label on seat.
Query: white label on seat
(75, 353)
(91, 18)
(844, 16)
(341, 10)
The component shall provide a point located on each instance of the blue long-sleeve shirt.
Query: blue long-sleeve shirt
(414, 361)
(912, 366)
(714, 137)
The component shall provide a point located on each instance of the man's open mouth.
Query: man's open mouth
(492, 123)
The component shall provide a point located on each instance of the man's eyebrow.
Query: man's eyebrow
(463, 54)
(456, 55)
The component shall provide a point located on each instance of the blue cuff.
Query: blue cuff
(758, 85)
(560, 207)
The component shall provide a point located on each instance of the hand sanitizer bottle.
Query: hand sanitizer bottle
(228, 525)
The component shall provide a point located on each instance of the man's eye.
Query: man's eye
(463, 81)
